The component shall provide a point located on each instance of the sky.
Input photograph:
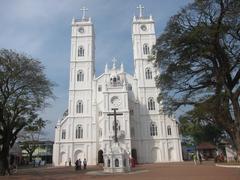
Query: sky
(42, 29)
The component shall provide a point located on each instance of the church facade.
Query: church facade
(86, 129)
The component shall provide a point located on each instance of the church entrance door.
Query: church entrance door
(134, 154)
(100, 156)
(78, 155)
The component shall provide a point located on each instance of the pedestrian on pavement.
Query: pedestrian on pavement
(195, 158)
(79, 164)
(76, 165)
(200, 158)
(69, 162)
(85, 163)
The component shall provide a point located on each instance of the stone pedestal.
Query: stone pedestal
(116, 160)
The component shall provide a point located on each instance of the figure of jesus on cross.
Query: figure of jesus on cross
(115, 114)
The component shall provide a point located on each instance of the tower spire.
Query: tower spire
(122, 68)
(106, 68)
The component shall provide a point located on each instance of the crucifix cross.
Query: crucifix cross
(140, 7)
(83, 9)
(115, 114)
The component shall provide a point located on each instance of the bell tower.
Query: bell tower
(143, 38)
(82, 69)
(82, 65)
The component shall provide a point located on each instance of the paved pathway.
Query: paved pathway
(163, 171)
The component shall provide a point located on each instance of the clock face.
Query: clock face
(81, 30)
(115, 101)
(143, 27)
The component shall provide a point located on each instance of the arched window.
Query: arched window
(148, 73)
(80, 76)
(129, 87)
(79, 107)
(115, 80)
(169, 131)
(153, 129)
(124, 162)
(63, 134)
(116, 163)
(80, 51)
(131, 112)
(109, 163)
(100, 132)
(99, 88)
(79, 132)
(132, 132)
(146, 49)
(151, 104)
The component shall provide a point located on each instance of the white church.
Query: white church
(86, 130)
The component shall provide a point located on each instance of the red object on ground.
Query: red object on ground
(133, 162)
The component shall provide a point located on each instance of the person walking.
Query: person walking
(195, 158)
(85, 163)
(200, 158)
(76, 165)
(79, 164)
(69, 162)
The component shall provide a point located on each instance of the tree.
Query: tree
(24, 90)
(31, 135)
(199, 56)
(199, 125)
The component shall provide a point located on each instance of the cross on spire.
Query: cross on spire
(140, 7)
(114, 62)
(83, 9)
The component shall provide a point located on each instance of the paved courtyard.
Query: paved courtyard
(163, 171)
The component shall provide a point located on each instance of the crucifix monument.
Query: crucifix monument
(116, 158)
(115, 114)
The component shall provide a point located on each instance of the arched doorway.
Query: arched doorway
(100, 156)
(171, 155)
(156, 155)
(134, 154)
(78, 155)
(63, 158)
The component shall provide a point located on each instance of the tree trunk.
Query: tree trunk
(5, 159)
(236, 112)
(30, 156)
(237, 144)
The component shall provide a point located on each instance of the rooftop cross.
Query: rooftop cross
(140, 7)
(114, 62)
(83, 9)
